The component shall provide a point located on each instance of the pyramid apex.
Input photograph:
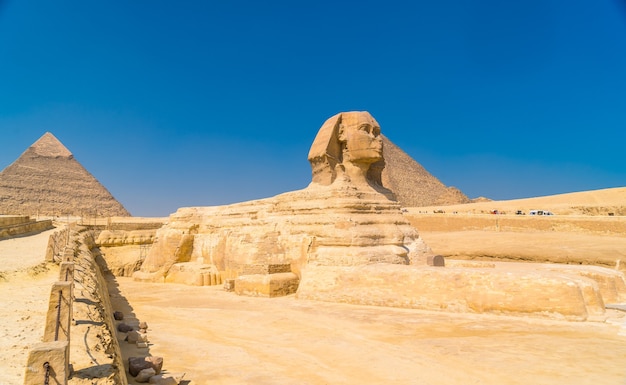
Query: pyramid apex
(49, 146)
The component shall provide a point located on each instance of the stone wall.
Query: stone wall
(57, 243)
(14, 220)
(494, 222)
(573, 293)
(111, 238)
(79, 338)
(123, 223)
(12, 226)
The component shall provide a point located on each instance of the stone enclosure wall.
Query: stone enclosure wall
(72, 350)
(494, 222)
(16, 225)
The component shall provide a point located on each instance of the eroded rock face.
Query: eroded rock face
(111, 238)
(345, 217)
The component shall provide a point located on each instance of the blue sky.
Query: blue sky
(194, 103)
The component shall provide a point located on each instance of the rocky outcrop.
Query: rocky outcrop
(47, 180)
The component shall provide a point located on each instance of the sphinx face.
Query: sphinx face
(361, 134)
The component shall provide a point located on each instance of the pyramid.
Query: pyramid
(47, 180)
(412, 184)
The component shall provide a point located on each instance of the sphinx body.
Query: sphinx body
(345, 217)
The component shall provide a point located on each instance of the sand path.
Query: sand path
(25, 283)
(220, 338)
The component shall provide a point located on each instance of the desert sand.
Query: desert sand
(469, 232)
(25, 282)
(592, 202)
(216, 337)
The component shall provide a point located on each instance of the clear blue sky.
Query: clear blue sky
(195, 103)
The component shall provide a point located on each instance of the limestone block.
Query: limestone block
(610, 282)
(137, 364)
(110, 238)
(68, 254)
(144, 375)
(190, 273)
(156, 362)
(454, 290)
(167, 379)
(267, 285)
(50, 249)
(55, 355)
(173, 246)
(436, 260)
(135, 336)
(263, 268)
(59, 316)
(124, 328)
(211, 279)
(66, 271)
(229, 284)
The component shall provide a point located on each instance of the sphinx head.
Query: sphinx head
(348, 144)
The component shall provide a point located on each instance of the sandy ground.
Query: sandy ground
(592, 202)
(217, 337)
(25, 283)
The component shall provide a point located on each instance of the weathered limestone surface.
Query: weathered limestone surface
(109, 238)
(345, 217)
(320, 226)
(30, 226)
(50, 357)
(475, 290)
(611, 283)
(344, 238)
(267, 285)
(10, 220)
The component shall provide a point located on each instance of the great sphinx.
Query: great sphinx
(345, 217)
(344, 238)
